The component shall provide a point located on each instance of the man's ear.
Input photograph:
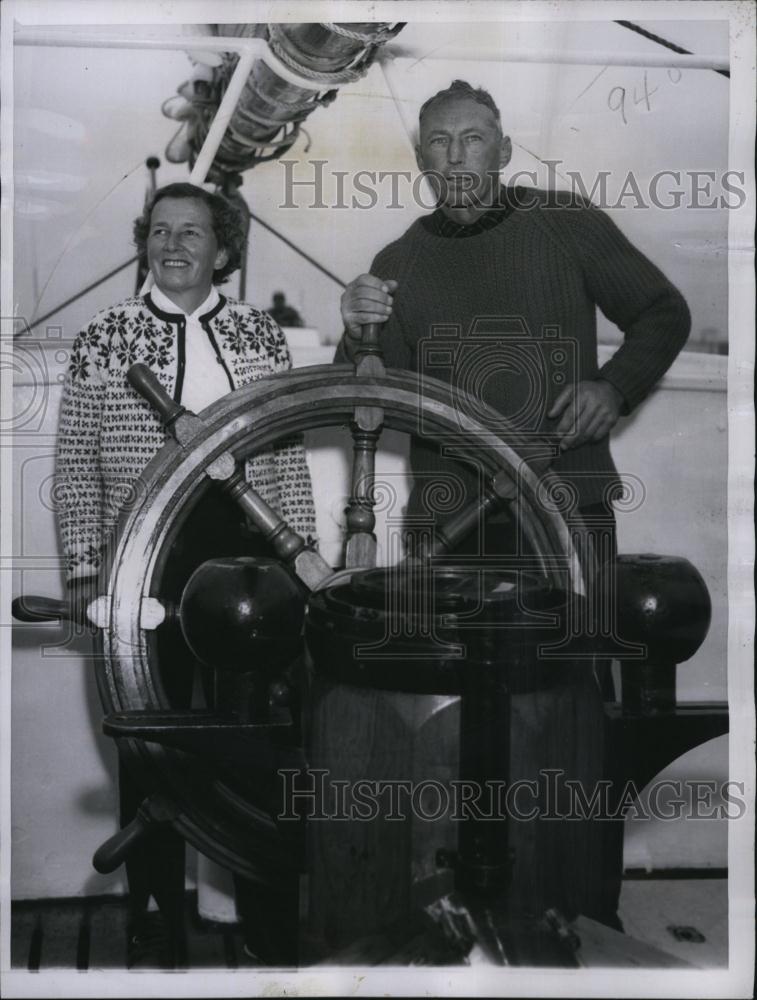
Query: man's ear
(222, 259)
(505, 151)
(419, 157)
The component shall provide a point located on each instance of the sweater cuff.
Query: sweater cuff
(632, 396)
(83, 562)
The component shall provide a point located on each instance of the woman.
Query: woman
(200, 345)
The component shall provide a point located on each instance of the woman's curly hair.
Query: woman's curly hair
(228, 225)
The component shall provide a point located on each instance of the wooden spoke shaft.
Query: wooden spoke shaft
(290, 547)
(183, 425)
(460, 526)
(369, 357)
(360, 549)
(360, 546)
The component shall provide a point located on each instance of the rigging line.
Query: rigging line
(297, 249)
(78, 295)
(549, 164)
(78, 229)
(664, 42)
(588, 87)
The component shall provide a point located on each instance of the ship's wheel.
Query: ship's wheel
(209, 771)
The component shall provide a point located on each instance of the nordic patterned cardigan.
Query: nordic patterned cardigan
(108, 433)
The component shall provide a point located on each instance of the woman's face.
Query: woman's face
(182, 250)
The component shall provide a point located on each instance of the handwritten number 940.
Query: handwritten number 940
(618, 98)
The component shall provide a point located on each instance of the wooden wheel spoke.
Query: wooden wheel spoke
(445, 539)
(289, 546)
(366, 427)
(184, 426)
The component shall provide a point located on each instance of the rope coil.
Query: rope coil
(328, 78)
(360, 36)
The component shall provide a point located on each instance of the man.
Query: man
(544, 259)
(507, 282)
(200, 345)
(282, 312)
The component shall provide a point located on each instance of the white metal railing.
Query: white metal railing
(37, 365)
(250, 49)
(392, 50)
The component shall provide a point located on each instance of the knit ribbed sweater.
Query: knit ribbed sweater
(509, 316)
(107, 433)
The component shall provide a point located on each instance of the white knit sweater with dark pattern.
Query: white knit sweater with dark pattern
(108, 433)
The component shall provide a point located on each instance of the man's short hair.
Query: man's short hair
(458, 89)
(228, 225)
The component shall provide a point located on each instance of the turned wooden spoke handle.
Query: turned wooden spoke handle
(32, 608)
(369, 342)
(114, 851)
(149, 387)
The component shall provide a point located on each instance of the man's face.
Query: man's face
(463, 149)
(182, 250)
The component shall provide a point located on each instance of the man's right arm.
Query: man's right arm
(370, 299)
